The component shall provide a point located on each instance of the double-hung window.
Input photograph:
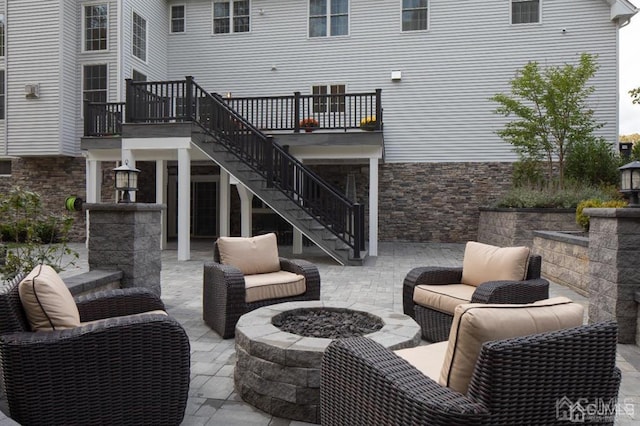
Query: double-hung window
(94, 83)
(328, 18)
(177, 19)
(231, 16)
(2, 94)
(95, 27)
(415, 14)
(139, 44)
(333, 103)
(1, 35)
(525, 11)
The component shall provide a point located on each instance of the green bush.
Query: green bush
(567, 198)
(593, 162)
(583, 220)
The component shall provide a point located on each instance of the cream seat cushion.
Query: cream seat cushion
(274, 285)
(443, 298)
(156, 312)
(46, 300)
(255, 255)
(451, 363)
(483, 262)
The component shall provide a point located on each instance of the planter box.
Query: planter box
(565, 258)
(514, 227)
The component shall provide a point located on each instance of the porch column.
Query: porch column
(297, 241)
(246, 197)
(373, 206)
(225, 203)
(161, 198)
(184, 204)
(93, 188)
(128, 157)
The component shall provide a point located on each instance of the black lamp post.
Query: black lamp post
(126, 179)
(630, 182)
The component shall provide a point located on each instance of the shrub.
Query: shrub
(568, 198)
(583, 220)
(593, 162)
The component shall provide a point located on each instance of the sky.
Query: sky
(629, 75)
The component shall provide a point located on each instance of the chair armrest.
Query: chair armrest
(308, 270)
(527, 291)
(223, 296)
(227, 278)
(91, 373)
(364, 383)
(432, 275)
(117, 302)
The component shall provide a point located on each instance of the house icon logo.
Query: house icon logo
(570, 411)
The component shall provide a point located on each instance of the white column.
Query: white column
(184, 204)
(246, 197)
(161, 198)
(225, 203)
(297, 241)
(128, 158)
(373, 206)
(93, 185)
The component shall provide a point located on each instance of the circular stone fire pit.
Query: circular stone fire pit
(279, 372)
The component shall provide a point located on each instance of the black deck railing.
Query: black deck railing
(343, 111)
(185, 100)
(103, 118)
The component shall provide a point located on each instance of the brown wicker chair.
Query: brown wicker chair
(525, 380)
(126, 370)
(436, 324)
(224, 293)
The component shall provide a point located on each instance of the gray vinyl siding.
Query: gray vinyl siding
(157, 16)
(440, 110)
(69, 101)
(33, 37)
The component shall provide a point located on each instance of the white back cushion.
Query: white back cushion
(483, 262)
(255, 255)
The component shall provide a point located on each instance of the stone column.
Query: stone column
(126, 237)
(614, 251)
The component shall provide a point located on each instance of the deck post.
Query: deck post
(129, 102)
(296, 112)
(189, 98)
(378, 109)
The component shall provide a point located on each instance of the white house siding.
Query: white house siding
(32, 40)
(440, 110)
(69, 79)
(156, 13)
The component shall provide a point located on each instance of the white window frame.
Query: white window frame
(184, 18)
(133, 37)
(84, 27)
(525, 23)
(402, 30)
(3, 94)
(327, 103)
(3, 36)
(82, 72)
(230, 17)
(328, 16)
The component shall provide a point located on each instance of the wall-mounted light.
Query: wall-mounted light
(228, 95)
(396, 75)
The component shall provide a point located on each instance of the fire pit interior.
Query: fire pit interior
(278, 369)
(328, 323)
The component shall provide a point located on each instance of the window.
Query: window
(1, 35)
(139, 37)
(525, 11)
(95, 83)
(5, 168)
(415, 15)
(2, 94)
(95, 27)
(328, 18)
(177, 19)
(336, 101)
(138, 76)
(230, 16)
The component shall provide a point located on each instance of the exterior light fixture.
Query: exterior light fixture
(630, 182)
(126, 179)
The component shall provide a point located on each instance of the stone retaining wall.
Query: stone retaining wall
(514, 227)
(565, 259)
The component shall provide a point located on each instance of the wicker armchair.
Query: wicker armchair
(537, 379)
(436, 323)
(224, 291)
(128, 369)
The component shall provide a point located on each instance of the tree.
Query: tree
(635, 95)
(633, 138)
(551, 112)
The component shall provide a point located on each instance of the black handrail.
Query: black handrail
(342, 111)
(103, 118)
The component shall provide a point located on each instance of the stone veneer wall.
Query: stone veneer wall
(437, 202)
(514, 227)
(565, 259)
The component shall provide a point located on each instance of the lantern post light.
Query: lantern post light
(630, 182)
(126, 179)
